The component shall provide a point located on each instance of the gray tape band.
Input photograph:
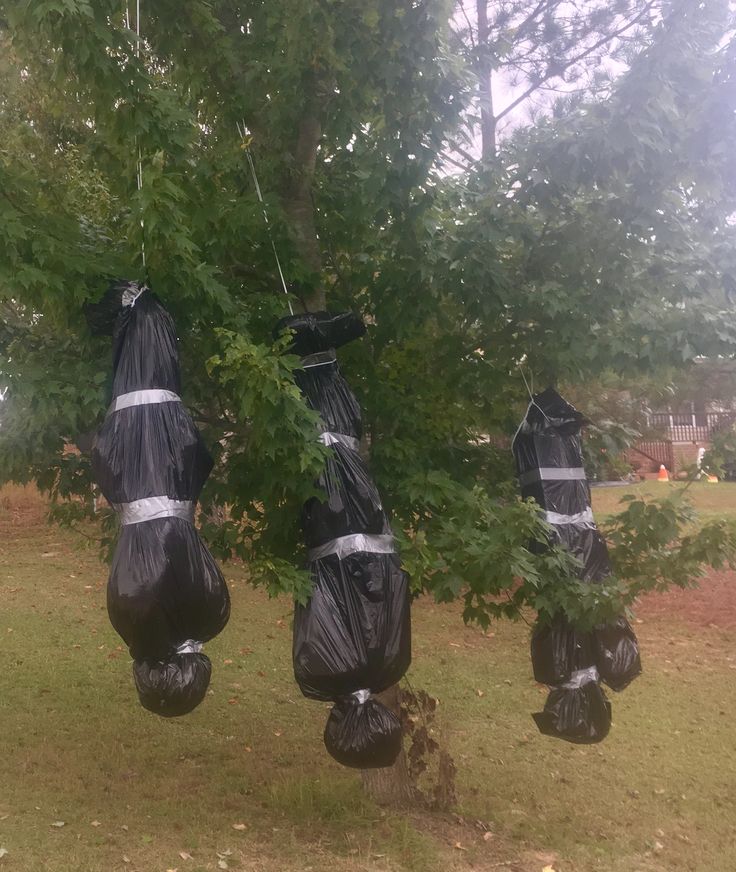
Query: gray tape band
(320, 358)
(344, 546)
(191, 646)
(328, 438)
(143, 398)
(361, 695)
(151, 508)
(132, 292)
(581, 519)
(580, 677)
(552, 473)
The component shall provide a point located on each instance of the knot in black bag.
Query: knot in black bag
(353, 638)
(165, 595)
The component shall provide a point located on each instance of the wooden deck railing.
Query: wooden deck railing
(700, 428)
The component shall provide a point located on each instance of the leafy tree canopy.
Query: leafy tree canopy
(597, 237)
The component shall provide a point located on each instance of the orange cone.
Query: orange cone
(663, 474)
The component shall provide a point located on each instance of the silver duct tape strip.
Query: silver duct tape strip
(151, 508)
(580, 677)
(132, 292)
(344, 546)
(581, 519)
(328, 438)
(143, 398)
(361, 695)
(552, 473)
(319, 358)
(191, 646)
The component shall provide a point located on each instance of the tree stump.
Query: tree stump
(390, 785)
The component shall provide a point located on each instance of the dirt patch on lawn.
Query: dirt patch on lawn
(21, 506)
(711, 604)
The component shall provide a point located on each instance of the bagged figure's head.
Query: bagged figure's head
(320, 331)
(550, 413)
(145, 347)
(120, 294)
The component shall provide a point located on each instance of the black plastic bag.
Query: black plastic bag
(549, 460)
(165, 595)
(616, 652)
(578, 713)
(353, 637)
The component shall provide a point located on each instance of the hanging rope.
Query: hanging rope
(245, 145)
(139, 156)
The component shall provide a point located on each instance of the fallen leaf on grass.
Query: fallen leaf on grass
(480, 692)
(487, 837)
(126, 858)
(3, 853)
(185, 855)
(459, 847)
(58, 824)
(95, 824)
(221, 864)
(278, 732)
(240, 827)
(548, 869)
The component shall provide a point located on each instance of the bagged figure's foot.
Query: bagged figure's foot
(362, 733)
(174, 686)
(616, 652)
(576, 714)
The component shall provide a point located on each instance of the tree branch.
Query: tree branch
(470, 26)
(520, 31)
(456, 163)
(558, 71)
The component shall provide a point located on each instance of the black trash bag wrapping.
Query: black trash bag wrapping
(353, 637)
(165, 595)
(548, 453)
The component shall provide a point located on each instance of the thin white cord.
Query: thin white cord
(139, 156)
(532, 403)
(138, 145)
(243, 135)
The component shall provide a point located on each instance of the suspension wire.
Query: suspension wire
(138, 153)
(245, 144)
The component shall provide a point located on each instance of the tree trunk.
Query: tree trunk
(390, 786)
(485, 92)
(298, 202)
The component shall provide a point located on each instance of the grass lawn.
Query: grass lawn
(244, 782)
(710, 500)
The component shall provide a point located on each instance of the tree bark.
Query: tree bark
(390, 786)
(485, 92)
(298, 202)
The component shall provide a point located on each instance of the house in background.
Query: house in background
(677, 437)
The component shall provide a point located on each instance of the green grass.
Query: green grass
(709, 500)
(76, 747)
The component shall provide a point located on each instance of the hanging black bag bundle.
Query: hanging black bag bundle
(548, 452)
(165, 595)
(352, 638)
